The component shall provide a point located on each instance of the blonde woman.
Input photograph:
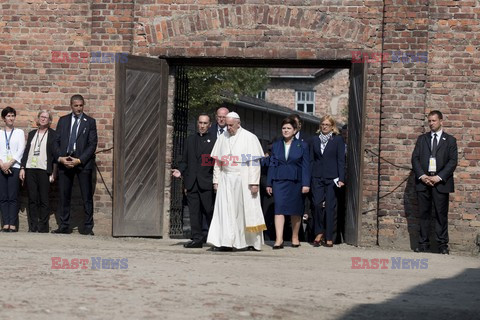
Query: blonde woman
(328, 174)
(38, 171)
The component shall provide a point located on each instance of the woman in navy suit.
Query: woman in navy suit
(328, 173)
(288, 180)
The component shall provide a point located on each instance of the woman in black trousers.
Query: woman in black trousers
(12, 143)
(328, 173)
(38, 171)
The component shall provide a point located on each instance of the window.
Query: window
(261, 95)
(305, 101)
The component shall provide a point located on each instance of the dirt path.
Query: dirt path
(165, 281)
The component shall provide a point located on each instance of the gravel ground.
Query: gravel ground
(162, 280)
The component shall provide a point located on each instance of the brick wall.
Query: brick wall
(398, 94)
(449, 32)
(30, 32)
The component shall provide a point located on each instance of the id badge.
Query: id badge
(9, 157)
(34, 162)
(432, 164)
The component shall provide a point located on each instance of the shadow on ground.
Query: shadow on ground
(451, 298)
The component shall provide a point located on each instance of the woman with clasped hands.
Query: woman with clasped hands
(12, 143)
(288, 180)
(328, 174)
(38, 171)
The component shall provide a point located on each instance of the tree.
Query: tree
(211, 86)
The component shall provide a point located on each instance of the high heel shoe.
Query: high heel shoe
(318, 243)
(295, 245)
(276, 247)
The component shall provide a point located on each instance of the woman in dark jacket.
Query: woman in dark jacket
(328, 173)
(38, 171)
(288, 180)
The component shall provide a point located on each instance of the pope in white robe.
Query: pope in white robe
(237, 217)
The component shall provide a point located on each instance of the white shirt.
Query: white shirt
(17, 145)
(220, 133)
(39, 142)
(287, 150)
(78, 126)
(439, 134)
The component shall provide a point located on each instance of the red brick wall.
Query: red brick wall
(398, 95)
(30, 81)
(449, 32)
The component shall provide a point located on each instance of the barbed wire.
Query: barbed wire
(100, 173)
(393, 164)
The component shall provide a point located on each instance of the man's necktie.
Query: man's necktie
(73, 136)
(434, 145)
(221, 130)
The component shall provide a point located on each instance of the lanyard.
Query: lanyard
(8, 139)
(37, 146)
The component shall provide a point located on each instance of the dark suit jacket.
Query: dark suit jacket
(51, 148)
(214, 129)
(196, 163)
(296, 168)
(86, 139)
(304, 137)
(446, 157)
(330, 164)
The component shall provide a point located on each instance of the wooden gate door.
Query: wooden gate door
(355, 147)
(140, 133)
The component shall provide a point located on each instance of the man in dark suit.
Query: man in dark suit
(221, 117)
(76, 145)
(196, 167)
(300, 135)
(434, 160)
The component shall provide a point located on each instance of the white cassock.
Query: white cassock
(238, 217)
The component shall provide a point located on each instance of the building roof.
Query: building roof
(264, 106)
(299, 73)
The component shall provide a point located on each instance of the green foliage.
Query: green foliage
(211, 86)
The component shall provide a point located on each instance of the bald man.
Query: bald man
(220, 127)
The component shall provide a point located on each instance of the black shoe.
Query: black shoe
(87, 232)
(61, 231)
(276, 247)
(295, 245)
(221, 249)
(443, 250)
(193, 244)
(422, 249)
(13, 230)
(5, 230)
